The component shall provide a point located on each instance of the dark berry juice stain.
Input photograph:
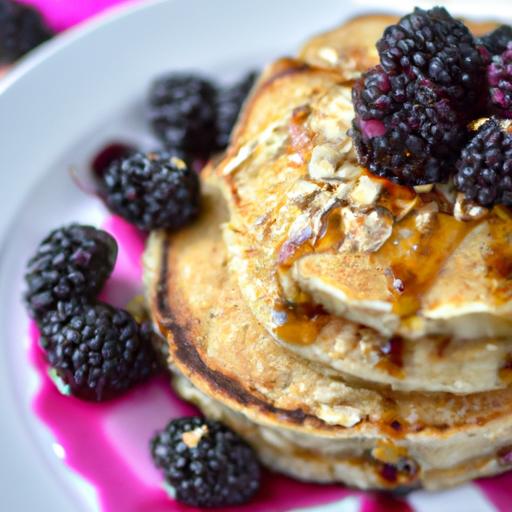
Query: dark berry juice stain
(109, 154)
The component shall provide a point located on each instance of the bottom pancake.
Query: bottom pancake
(311, 459)
(265, 392)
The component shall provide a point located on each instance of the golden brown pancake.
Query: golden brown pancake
(240, 372)
(320, 460)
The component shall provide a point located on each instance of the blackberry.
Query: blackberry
(152, 190)
(484, 169)
(496, 41)
(432, 45)
(71, 261)
(405, 129)
(182, 112)
(21, 29)
(96, 350)
(205, 463)
(499, 79)
(229, 103)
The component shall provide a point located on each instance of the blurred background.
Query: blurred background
(26, 23)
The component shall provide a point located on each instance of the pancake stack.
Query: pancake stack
(351, 329)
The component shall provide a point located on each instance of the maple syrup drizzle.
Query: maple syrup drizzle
(412, 260)
(299, 323)
(300, 139)
(393, 196)
(499, 257)
(443, 343)
(391, 422)
(394, 462)
(329, 239)
(302, 321)
(404, 473)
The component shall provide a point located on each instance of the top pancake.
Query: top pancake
(350, 48)
(310, 226)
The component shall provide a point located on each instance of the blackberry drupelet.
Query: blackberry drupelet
(206, 464)
(496, 41)
(405, 129)
(499, 80)
(229, 103)
(432, 45)
(182, 113)
(152, 190)
(377, 94)
(96, 350)
(71, 261)
(21, 29)
(484, 169)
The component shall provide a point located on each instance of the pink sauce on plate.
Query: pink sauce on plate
(107, 443)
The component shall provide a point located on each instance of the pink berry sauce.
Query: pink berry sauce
(107, 443)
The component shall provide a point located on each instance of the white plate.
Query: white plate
(56, 108)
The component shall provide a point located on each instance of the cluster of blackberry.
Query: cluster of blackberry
(484, 168)
(95, 350)
(414, 108)
(158, 189)
(98, 351)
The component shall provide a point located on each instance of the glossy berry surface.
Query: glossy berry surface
(152, 190)
(496, 41)
(405, 130)
(97, 351)
(205, 463)
(484, 169)
(435, 46)
(72, 261)
(499, 80)
(412, 110)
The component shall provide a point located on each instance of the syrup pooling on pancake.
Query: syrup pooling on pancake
(404, 277)
(298, 319)
(412, 258)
